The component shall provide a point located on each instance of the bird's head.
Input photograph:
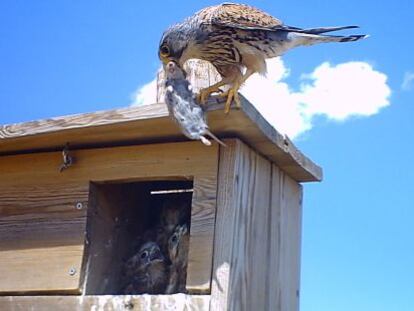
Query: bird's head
(177, 238)
(173, 44)
(149, 254)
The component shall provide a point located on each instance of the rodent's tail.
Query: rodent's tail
(215, 138)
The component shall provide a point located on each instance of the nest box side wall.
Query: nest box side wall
(258, 234)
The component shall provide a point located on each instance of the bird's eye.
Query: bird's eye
(164, 51)
(144, 255)
(174, 238)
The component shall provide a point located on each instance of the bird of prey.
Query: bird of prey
(178, 252)
(237, 39)
(175, 211)
(146, 271)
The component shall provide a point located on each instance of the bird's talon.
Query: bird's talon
(230, 97)
(223, 94)
(237, 100)
(201, 99)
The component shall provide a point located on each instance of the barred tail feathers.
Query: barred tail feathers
(309, 39)
(319, 30)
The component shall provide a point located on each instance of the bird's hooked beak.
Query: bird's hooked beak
(165, 60)
(156, 255)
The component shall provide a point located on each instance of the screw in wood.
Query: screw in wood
(72, 271)
(79, 205)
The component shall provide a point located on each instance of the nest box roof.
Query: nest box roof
(151, 124)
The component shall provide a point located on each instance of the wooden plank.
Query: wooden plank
(257, 240)
(76, 121)
(258, 226)
(45, 213)
(46, 216)
(25, 201)
(178, 302)
(41, 235)
(275, 288)
(285, 244)
(249, 258)
(242, 226)
(203, 213)
(151, 123)
(225, 223)
(290, 229)
(123, 163)
(41, 269)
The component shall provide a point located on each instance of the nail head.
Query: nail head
(72, 271)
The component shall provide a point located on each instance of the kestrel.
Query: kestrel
(237, 39)
(178, 245)
(146, 271)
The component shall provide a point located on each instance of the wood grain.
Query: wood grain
(42, 214)
(258, 228)
(116, 164)
(225, 223)
(203, 213)
(257, 240)
(41, 269)
(41, 235)
(151, 123)
(39, 220)
(178, 302)
(290, 230)
(249, 273)
(274, 289)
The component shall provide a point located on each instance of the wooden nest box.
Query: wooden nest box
(65, 234)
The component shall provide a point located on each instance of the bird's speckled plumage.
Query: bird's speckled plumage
(237, 39)
(146, 271)
(178, 254)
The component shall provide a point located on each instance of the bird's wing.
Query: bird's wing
(246, 17)
(239, 16)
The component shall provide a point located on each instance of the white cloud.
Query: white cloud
(336, 92)
(408, 80)
(146, 94)
(344, 90)
(275, 100)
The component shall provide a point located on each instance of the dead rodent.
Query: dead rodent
(183, 107)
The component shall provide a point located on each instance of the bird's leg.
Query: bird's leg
(204, 93)
(248, 73)
(233, 92)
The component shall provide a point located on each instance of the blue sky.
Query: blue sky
(64, 57)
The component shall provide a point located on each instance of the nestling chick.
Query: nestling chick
(181, 104)
(174, 211)
(178, 253)
(146, 271)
